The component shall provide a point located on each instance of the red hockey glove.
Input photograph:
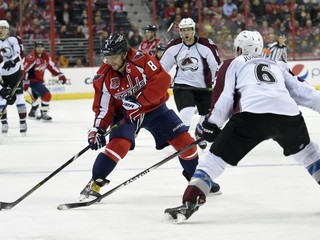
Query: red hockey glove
(132, 108)
(62, 78)
(96, 138)
(26, 84)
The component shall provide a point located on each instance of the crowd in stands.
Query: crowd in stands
(71, 18)
(222, 20)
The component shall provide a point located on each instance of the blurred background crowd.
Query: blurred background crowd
(220, 20)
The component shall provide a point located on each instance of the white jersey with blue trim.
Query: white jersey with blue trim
(196, 64)
(254, 84)
(10, 49)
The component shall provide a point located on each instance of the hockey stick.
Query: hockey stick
(141, 174)
(192, 88)
(9, 205)
(34, 102)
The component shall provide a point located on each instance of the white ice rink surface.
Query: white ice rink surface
(268, 196)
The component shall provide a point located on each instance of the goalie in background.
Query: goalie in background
(35, 65)
(11, 52)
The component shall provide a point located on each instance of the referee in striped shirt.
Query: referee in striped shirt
(277, 50)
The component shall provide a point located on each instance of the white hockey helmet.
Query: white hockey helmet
(187, 23)
(250, 42)
(4, 23)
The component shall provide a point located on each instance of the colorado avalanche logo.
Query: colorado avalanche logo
(6, 52)
(189, 63)
(301, 71)
(114, 83)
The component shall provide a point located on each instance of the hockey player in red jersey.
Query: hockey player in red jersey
(256, 99)
(152, 41)
(132, 85)
(35, 65)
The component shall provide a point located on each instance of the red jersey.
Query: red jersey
(143, 78)
(35, 67)
(150, 46)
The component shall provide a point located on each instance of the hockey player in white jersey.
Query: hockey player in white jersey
(11, 55)
(196, 60)
(260, 98)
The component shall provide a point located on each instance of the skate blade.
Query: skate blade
(215, 193)
(180, 218)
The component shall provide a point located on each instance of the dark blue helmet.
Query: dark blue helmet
(152, 28)
(160, 47)
(38, 43)
(114, 44)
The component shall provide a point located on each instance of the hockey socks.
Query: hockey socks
(189, 166)
(314, 170)
(103, 166)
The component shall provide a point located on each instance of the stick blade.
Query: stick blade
(6, 205)
(67, 206)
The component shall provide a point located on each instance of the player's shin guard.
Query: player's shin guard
(189, 166)
(199, 186)
(314, 170)
(309, 157)
(103, 166)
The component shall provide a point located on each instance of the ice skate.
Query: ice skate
(44, 117)
(23, 128)
(215, 189)
(32, 114)
(5, 128)
(92, 190)
(181, 213)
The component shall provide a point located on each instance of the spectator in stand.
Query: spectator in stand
(77, 33)
(118, 6)
(98, 26)
(79, 63)
(3, 8)
(135, 39)
(85, 27)
(169, 12)
(151, 41)
(64, 32)
(258, 7)
(61, 60)
(228, 8)
(65, 14)
(173, 29)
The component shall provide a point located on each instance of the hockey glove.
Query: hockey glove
(9, 64)
(96, 138)
(26, 84)
(62, 78)
(210, 131)
(5, 94)
(132, 108)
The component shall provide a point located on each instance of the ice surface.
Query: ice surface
(268, 196)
